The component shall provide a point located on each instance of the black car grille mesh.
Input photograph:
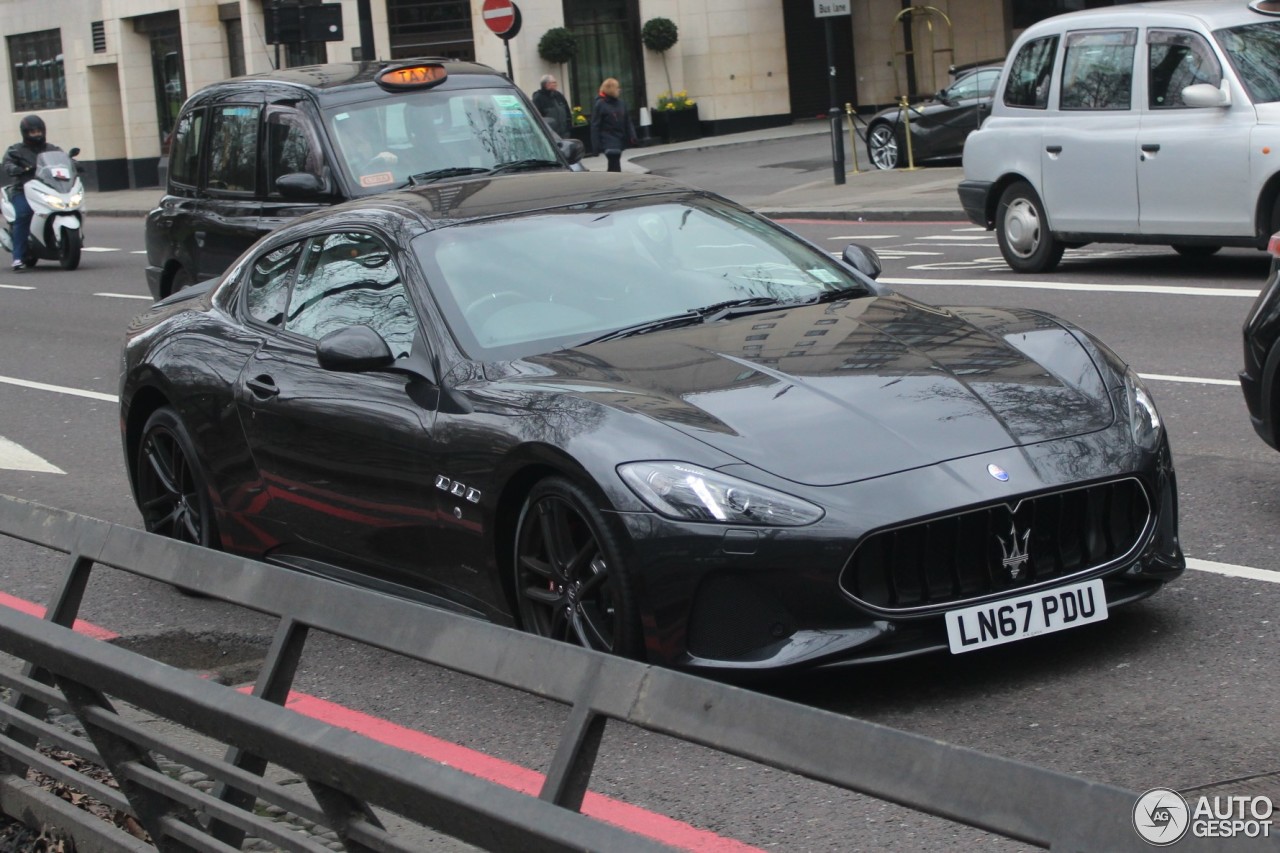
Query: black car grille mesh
(997, 548)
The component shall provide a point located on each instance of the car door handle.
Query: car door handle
(1150, 148)
(263, 387)
(1053, 149)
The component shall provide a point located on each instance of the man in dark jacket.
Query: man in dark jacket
(554, 108)
(20, 164)
(611, 127)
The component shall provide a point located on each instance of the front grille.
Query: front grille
(999, 548)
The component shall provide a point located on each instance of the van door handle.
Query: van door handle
(263, 387)
(1053, 149)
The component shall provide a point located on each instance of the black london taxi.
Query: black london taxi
(251, 153)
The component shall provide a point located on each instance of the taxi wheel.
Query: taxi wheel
(570, 580)
(1189, 251)
(1022, 230)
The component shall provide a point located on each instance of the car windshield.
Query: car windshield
(384, 144)
(529, 284)
(1254, 51)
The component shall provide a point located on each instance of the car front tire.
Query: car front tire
(173, 495)
(882, 146)
(1022, 230)
(570, 580)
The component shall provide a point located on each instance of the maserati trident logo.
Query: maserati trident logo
(1015, 550)
(999, 473)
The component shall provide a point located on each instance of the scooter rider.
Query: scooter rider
(20, 164)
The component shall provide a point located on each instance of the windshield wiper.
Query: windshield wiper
(841, 293)
(447, 172)
(688, 318)
(522, 165)
(735, 307)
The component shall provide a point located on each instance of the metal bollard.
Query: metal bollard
(906, 130)
(853, 136)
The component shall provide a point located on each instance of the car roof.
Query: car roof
(469, 199)
(1210, 14)
(340, 81)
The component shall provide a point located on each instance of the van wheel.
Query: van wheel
(1023, 231)
(1188, 251)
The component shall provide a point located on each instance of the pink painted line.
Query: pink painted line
(32, 609)
(623, 815)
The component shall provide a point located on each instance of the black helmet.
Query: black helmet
(32, 128)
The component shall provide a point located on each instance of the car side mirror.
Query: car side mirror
(863, 259)
(74, 152)
(354, 349)
(571, 150)
(300, 185)
(1207, 95)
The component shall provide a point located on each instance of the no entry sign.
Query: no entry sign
(500, 16)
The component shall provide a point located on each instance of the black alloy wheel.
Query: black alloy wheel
(570, 582)
(172, 493)
(1022, 230)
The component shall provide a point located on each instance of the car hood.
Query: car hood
(838, 393)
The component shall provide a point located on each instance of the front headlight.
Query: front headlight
(54, 201)
(76, 198)
(1144, 420)
(689, 493)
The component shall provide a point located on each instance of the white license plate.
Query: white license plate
(1057, 609)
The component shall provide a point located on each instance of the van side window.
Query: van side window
(291, 147)
(1097, 70)
(1177, 59)
(233, 149)
(184, 149)
(1029, 74)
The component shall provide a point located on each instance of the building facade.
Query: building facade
(109, 76)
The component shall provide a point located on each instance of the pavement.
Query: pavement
(922, 194)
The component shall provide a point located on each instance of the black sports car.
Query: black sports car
(1260, 379)
(939, 125)
(636, 416)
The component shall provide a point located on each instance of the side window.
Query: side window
(291, 146)
(351, 279)
(184, 150)
(964, 88)
(268, 285)
(233, 149)
(1177, 59)
(1029, 74)
(1097, 70)
(987, 81)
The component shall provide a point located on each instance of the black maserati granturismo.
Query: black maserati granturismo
(628, 414)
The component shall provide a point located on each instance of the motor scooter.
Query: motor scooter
(56, 196)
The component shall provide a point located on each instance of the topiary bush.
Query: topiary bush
(558, 45)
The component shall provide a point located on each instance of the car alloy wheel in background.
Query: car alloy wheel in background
(882, 146)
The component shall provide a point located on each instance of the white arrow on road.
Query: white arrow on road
(15, 457)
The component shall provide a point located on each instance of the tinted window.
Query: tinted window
(184, 150)
(291, 147)
(1254, 52)
(1177, 59)
(268, 287)
(233, 149)
(348, 280)
(1097, 70)
(1029, 74)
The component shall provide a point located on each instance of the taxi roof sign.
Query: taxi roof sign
(421, 75)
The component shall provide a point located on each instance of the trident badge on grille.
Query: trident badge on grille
(1015, 550)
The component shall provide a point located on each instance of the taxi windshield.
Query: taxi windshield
(383, 145)
(1254, 51)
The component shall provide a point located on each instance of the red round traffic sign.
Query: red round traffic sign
(499, 15)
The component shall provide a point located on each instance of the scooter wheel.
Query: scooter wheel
(29, 260)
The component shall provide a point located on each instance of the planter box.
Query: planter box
(583, 135)
(677, 125)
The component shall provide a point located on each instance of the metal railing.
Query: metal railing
(354, 782)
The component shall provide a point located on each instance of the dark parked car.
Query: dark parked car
(632, 415)
(251, 153)
(1260, 379)
(939, 125)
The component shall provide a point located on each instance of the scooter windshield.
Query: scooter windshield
(55, 170)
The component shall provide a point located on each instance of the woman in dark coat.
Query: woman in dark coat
(611, 127)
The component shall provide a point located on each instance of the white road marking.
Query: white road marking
(1195, 380)
(59, 389)
(867, 237)
(1080, 286)
(1233, 571)
(15, 457)
(974, 228)
(98, 249)
(966, 237)
(138, 252)
(123, 296)
(15, 287)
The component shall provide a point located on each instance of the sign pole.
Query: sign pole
(833, 112)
